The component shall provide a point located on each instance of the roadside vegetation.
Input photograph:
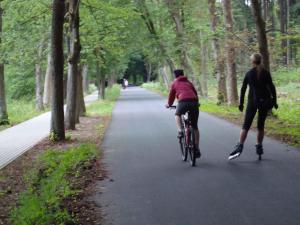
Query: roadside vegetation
(283, 124)
(52, 188)
(49, 184)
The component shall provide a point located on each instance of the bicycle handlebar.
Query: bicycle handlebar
(171, 107)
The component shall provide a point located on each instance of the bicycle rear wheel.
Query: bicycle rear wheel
(192, 158)
(183, 149)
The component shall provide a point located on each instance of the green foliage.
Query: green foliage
(49, 186)
(105, 107)
(156, 87)
(21, 110)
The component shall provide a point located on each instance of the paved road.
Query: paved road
(151, 186)
(16, 140)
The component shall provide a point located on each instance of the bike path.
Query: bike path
(18, 139)
(149, 184)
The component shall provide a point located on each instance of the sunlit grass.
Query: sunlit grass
(104, 107)
(20, 111)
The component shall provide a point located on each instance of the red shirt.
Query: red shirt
(183, 90)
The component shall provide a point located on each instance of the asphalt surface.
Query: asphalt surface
(149, 184)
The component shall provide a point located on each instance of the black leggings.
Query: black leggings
(250, 114)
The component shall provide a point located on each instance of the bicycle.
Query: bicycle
(187, 141)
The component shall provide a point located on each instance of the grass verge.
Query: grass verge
(20, 111)
(105, 107)
(49, 186)
(56, 189)
(284, 124)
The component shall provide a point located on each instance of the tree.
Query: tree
(3, 108)
(176, 11)
(219, 60)
(57, 110)
(146, 16)
(48, 82)
(73, 62)
(230, 54)
(283, 11)
(261, 33)
(38, 77)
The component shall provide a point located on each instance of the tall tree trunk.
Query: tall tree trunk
(3, 108)
(85, 79)
(57, 111)
(203, 66)
(39, 79)
(219, 60)
(149, 71)
(73, 62)
(165, 77)
(261, 33)
(102, 87)
(230, 54)
(48, 82)
(283, 29)
(81, 110)
(100, 83)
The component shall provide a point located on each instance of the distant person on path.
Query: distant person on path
(187, 97)
(123, 83)
(126, 83)
(261, 98)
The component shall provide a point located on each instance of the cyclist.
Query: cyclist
(262, 98)
(187, 97)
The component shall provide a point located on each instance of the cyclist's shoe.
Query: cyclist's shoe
(259, 149)
(197, 153)
(237, 151)
(180, 134)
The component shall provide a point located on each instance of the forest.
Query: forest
(55, 52)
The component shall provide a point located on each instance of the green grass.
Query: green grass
(49, 185)
(284, 76)
(285, 122)
(105, 107)
(156, 87)
(20, 111)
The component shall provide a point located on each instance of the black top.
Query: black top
(261, 87)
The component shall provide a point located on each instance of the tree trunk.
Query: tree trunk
(57, 111)
(112, 79)
(283, 29)
(102, 88)
(85, 79)
(100, 83)
(219, 60)
(73, 62)
(3, 108)
(48, 82)
(230, 55)
(261, 33)
(39, 79)
(149, 71)
(203, 66)
(165, 77)
(81, 110)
